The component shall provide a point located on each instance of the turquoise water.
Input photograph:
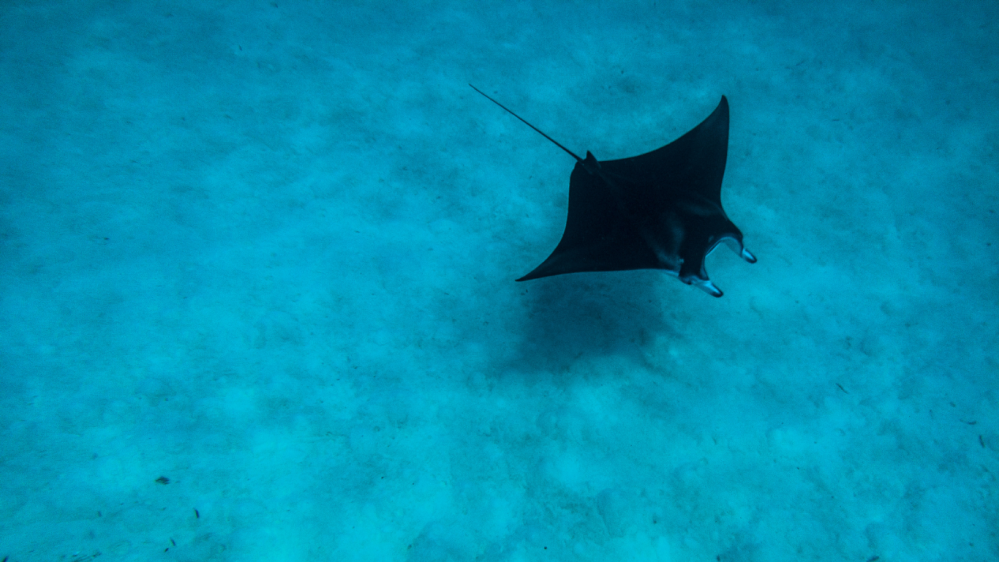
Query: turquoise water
(257, 297)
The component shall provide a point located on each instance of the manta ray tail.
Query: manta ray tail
(578, 159)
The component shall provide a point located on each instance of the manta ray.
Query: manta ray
(659, 210)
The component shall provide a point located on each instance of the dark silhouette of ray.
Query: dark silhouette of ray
(659, 210)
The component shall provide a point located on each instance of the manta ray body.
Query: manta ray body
(660, 210)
